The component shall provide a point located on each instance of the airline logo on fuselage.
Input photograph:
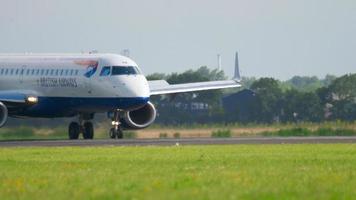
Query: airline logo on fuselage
(92, 67)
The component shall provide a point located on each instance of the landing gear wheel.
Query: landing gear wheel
(116, 133)
(73, 131)
(88, 130)
(120, 134)
(112, 133)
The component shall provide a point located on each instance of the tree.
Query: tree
(328, 80)
(302, 106)
(156, 76)
(309, 107)
(305, 83)
(268, 104)
(344, 88)
(290, 101)
(247, 82)
(342, 97)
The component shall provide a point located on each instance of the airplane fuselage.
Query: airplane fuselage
(67, 85)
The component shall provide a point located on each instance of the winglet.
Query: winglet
(237, 69)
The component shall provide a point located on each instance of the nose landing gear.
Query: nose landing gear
(116, 131)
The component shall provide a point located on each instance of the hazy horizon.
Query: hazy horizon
(275, 39)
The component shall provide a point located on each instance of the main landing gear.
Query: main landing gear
(84, 126)
(116, 131)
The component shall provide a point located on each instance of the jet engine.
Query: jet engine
(3, 114)
(140, 118)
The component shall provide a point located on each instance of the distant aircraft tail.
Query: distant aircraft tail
(237, 68)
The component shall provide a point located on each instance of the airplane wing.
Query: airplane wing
(159, 87)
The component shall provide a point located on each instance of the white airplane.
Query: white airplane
(51, 86)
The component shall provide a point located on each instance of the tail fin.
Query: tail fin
(237, 68)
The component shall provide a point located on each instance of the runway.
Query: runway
(172, 142)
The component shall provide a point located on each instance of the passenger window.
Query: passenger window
(71, 72)
(6, 70)
(105, 71)
(66, 72)
(42, 72)
(33, 72)
(17, 71)
(52, 72)
(2, 71)
(76, 72)
(11, 71)
(28, 72)
(57, 71)
(62, 72)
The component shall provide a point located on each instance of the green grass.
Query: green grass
(180, 172)
(26, 132)
(221, 133)
(333, 128)
(326, 124)
(299, 131)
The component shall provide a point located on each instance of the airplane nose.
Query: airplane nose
(140, 90)
(137, 91)
(139, 87)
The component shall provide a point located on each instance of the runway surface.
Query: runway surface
(183, 141)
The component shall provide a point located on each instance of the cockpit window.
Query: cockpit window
(138, 70)
(105, 71)
(120, 70)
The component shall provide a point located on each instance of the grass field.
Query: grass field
(335, 128)
(180, 172)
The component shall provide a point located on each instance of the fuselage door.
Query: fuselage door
(87, 84)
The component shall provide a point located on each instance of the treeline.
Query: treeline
(337, 101)
(306, 99)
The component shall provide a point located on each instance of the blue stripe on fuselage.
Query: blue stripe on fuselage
(71, 106)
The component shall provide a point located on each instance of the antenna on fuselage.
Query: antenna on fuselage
(94, 51)
(125, 52)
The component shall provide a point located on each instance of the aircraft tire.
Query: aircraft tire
(120, 134)
(88, 131)
(112, 133)
(73, 131)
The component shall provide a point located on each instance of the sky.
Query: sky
(274, 38)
